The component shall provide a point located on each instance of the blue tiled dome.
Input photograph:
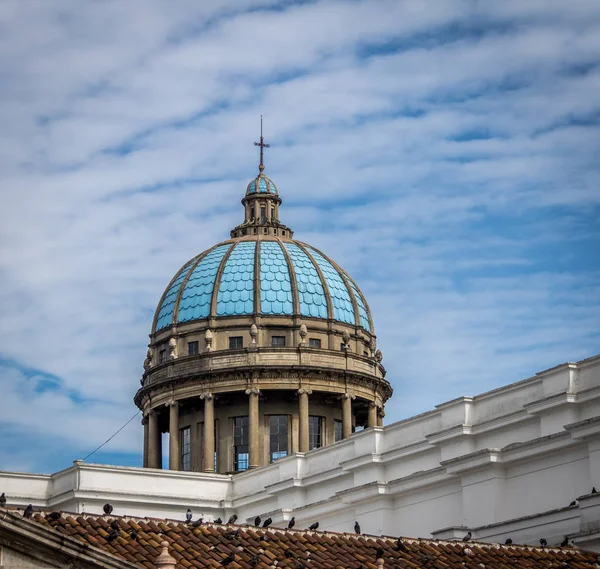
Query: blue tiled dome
(293, 278)
(261, 185)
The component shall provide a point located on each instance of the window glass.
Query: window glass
(186, 447)
(240, 443)
(192, 348)
(278, 437)
(162, 356)
(314, 342)
(236, 342)
(263, 215)
(315, 432)
(278, 341)
(338, 430)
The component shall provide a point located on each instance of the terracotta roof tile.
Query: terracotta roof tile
(205, 546)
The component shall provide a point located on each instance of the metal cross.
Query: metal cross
(261, 144)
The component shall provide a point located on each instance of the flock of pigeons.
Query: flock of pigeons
(258, 522)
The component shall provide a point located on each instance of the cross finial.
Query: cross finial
(262, 145)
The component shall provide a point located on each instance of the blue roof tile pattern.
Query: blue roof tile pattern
(343, 310)
(165, 314)
(275, 284)
(265, 186)
(310, 289)
(196, 297)
(362, 307)
(236, 289)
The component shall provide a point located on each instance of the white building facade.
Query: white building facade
(518, 462)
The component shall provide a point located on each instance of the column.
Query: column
(346, 415)
(209, 432)
(372, 418)
(303, 416)
(145, 423)
(154, 441)
(174, 450)
(253, 423)
(380, 416)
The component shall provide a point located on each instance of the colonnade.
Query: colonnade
(153, 435)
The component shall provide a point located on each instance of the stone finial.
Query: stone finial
(165, 560)
(148, 360)
(373, 345)
(378, 356)
(253, 333)
(303, 333)
(208, 337)
(346, 337)
(172, 349)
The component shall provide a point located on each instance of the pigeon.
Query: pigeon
(379, 553)
(188, 516)
(232, 519)
(356, 528)
(257, 521)
(508, 541)
(234, 534)
(400, 546)
(292, 523)
(267, 523)
(114, 534)
(227, 560)
(254, 561)
(198, 523)
(573, 503)
(564, 542)
(468, 536)
(299, 565)
(107, 509)
(594, 490)
(218, 521)
(313, 526)
(543, 542)
(289, 554)
(53, 516)
(28, 512)
(114, 525)
(133, 534)
(3, 500)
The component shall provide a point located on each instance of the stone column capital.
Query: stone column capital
(372, 404)
(208, 396)
(172, 403)
(348, 396)
(253, 391)
(303, 391)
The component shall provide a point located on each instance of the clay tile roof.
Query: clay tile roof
(205, 546)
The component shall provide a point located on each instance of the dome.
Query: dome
(262, 275)
(261, 185)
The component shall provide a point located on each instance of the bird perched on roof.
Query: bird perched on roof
(233, 534)
(314, 526)
(508, 541)
(400, 546)
(594, 490)
(292, 523)
(218, 521)
(3, 500)
(573, 503)
(468, 536)
(289, 554)
(107, 509)
(188, 516)
(267, 523)
(53, 516)
(114, 534)
(254, 560)
(28, 512)
(227, 560)
(379, 553)
(232, 519)
(257, 521)
(356, 528)
(543, 542)
(198, 523)
(564, 542)
(114, 525)
(133, 534)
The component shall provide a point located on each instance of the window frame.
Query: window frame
(282, 437)
(314, 342)
(236, 338)
(185, 449)
(193, 345)
(162, 356)
(275, 339)
(338, 430)
(318, 436)
(241, 448)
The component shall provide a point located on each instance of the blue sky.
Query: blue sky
(445, 153)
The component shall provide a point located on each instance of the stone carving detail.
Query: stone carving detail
(303, 390)
(346, 338)
(303, 333)
(172, 403)
(206, 395)
(253, 391)
(348, 396)
(148, 360)
(373, 345)
(208, 337)
(253, 333)
(378, 356)
(172, 349)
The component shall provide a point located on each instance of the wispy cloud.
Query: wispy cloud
(445, 155)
